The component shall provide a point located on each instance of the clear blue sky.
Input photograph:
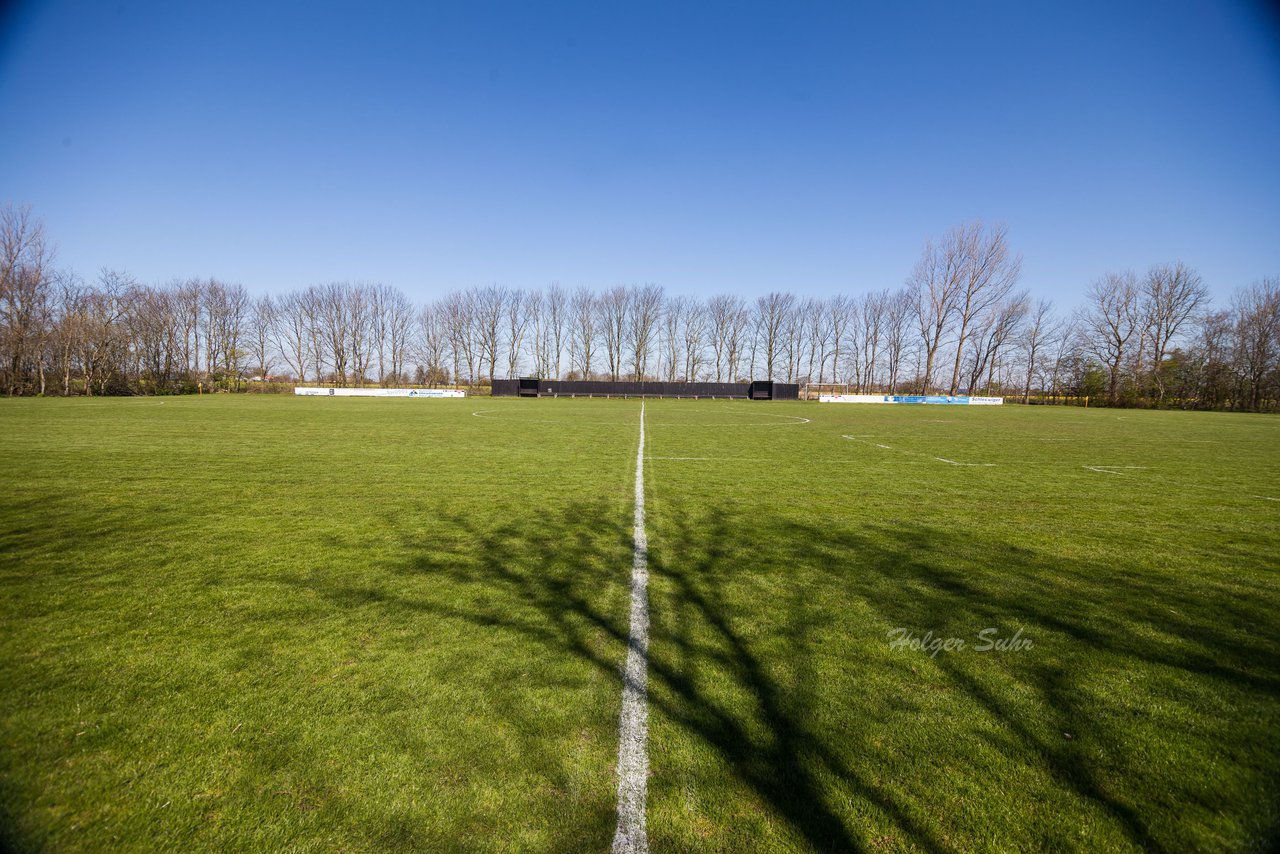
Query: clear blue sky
(704, 147)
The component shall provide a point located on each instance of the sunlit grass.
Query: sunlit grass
(244, 623)
(241, 623)
(1138, 551)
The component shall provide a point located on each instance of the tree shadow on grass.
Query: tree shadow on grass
(561, 583)
(1096, 616)
(762, 733)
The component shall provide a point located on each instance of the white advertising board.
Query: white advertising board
(931, 399)
(378, 392)
(853, 398)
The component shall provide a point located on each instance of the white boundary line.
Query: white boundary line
(1116, 470)
(863, 440)
(1101, 470)
(630, 836)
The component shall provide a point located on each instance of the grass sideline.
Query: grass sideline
(261, 622)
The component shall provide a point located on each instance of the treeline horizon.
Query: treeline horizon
(958, 324)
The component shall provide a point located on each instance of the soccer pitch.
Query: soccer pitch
(262, 623)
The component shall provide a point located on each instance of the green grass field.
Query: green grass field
(262, 623)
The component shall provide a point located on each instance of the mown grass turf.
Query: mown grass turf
(1144, 715)
(255, 624)
(261, 623)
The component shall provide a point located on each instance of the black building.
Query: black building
(534, 387)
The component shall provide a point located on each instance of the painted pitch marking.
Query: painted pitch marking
(863, 440)
(630, 836)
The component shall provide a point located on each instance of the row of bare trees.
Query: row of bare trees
(960, 323)
(1157, 338)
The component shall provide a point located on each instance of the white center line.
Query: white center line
(633, 723)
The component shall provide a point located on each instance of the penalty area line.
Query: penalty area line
(1112, 469)
(863, 440)
(630, 836)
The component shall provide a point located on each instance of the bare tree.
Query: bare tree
(26, 262)
(433, 342)
(870, 318)
(724, 314)
(840, 311)
(295, 320)
(213, 305)
(548, 338)
(1064, 349)
(1109, 323)
(852, 365)
(461, 328)
(739, 339)
(988, 273)
(672, 337)
(334, 324)
(489, 305)
(189, 297)
(1212, 357)
(360, 316)
(390, 319)
(150, 324)
(935, 286)
(397, 314)
(695, 331)
(1036, 337)
(683, 325)
(379, 329)
(224, 314)
(232, 332)
(614, 305)
(817, 340)
(583, 309)
(556, 303)
(1172, 294)
(102, 342)
(795, 333)
(899, 309)
(520, 309)
(68, 327)
(644, 307)
(995, 331)
(773, 313)
(262, 325)
(314, 305)
(1257, 338)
